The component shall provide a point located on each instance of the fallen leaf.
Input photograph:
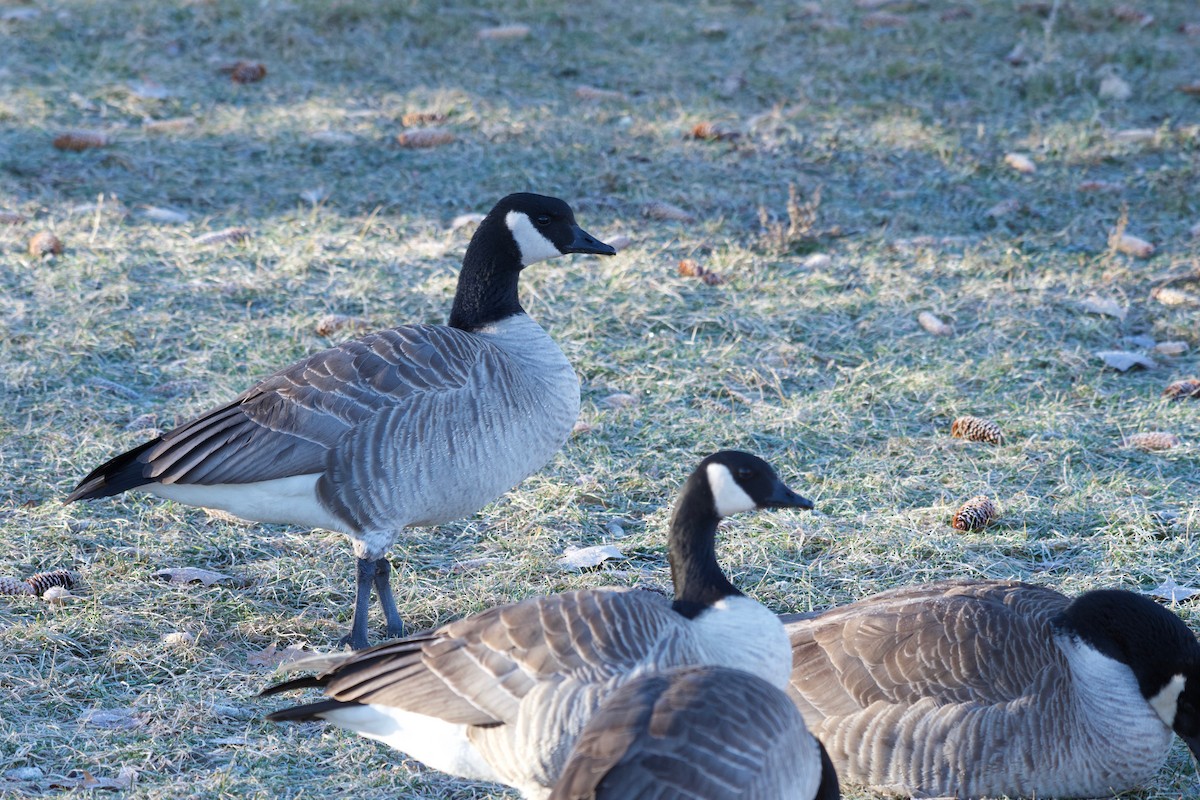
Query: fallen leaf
(501, 33)
(425, 137)
(1100, 186)
(1105, 306)
(1123, 361)
(178, 639)
(1170, 590)
(1116, 88)
(463, 220)
(714, 132)
(191, 575)
(1151, 440)
(1175, 348)
(618, 242)
(172, 125)
(45, 243)
(57, 595)
(1178, 390)
(1192, 88)
(934, 325)
(271, 656)
(115, 719)
(1190, 29)
(588, 557)
(24, 774)
(1135, 135)
(1016, 56)
(1133, 246)
(817, 261)
(12, 218)
(666, 211)
(245, 71)
(1003, 209)
(1021, 163)
(596, 94)
(1169, 296)
(415, 119)
(332, 323)
(78, 141)
(619, 400)
(168, 215)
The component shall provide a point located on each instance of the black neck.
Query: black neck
(487, 284)
(691, 545)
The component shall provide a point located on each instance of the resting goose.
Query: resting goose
(986, 688)
(501, 695)
(416, 425)
(697, 733)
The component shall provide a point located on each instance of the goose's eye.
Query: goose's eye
(745, 473)
(542, 220)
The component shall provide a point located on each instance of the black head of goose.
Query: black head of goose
(502, 695)
(416, 425)
(988, 688)
(697, 733)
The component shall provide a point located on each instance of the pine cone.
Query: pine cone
(14, 586)
(975, 514)
(42, 581)
(974, 429)
(1189, 387)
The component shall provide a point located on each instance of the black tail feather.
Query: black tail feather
(114, 476)
(306, 713)
(307, 682)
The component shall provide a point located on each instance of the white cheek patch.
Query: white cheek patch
(730, 497)
(534, 246)
(1165, 703)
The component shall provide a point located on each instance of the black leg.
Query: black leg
(383, 587)
(362, 605)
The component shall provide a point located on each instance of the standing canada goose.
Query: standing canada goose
(985, 688)
(697, 733)
(416, 425)
(501, 696)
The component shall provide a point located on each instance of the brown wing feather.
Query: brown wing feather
(287, 424)
(952, 641)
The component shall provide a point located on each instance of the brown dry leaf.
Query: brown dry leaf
(414, 119)
(596, 94)
(178, 639)
(272, 657)
(245, 71)
(1192, 88)
(581, 558)
(1132, 245)
(173, 125)
(666, 211)
(714, 132)
(934, 325)
(1123, 361)
(1133, 15)
(883, 19)
(44, 243)
(425, 137)
(1021, 163)
(690, 268)
(1100, 186)
(78, 141)
(1178, 390)
(332, 323)
(236, 235)
(192, 575)
(1151, 440)
(12, 218)
(502, 33)
(1175, 348)
(1105, 306)
(581, 427)
(1174, 297)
